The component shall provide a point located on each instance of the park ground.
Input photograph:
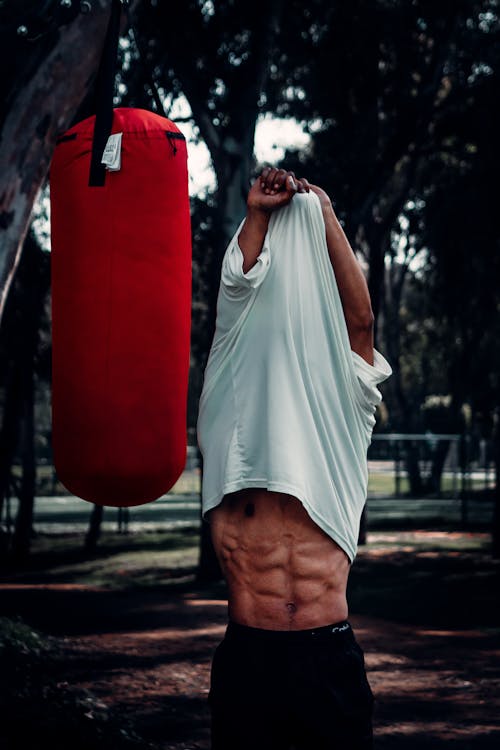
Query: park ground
(131, 635)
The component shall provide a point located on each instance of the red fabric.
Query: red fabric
(121, 313)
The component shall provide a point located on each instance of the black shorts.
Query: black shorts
(290, 690)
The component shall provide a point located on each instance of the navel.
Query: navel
(249, 509)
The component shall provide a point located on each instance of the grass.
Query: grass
(385, 484)
(48, 484)
(189, 483)
(121, 561)
(420, 541)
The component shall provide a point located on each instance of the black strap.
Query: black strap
(105, 86)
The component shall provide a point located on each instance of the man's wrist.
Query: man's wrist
(258, 216)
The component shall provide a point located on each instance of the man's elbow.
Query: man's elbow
(369, 320)
(362, 320)
(361, 337)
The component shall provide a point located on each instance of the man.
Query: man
(286, 416)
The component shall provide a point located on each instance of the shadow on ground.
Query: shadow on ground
(424, 609)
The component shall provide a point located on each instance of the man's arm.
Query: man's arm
(251, 237)
(351, 282)
(271, 190)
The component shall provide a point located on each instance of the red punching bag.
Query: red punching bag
(121, 305)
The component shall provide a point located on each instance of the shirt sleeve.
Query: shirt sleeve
(232, 277)
(369, 376)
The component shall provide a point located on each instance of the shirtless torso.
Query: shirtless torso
(283, 572)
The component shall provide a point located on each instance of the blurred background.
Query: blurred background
(392, 106)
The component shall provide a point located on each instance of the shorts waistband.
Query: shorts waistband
(341, 630)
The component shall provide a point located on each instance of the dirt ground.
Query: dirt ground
(436, 680)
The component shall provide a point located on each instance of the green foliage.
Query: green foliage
(38, 710)
(400, 102)
(16, 637)
(406, 141)
(438, 417)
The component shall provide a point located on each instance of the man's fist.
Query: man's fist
(274, 188)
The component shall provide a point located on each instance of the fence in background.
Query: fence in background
(453, 466)
(441, 476)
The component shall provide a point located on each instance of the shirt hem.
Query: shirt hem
(370, 376)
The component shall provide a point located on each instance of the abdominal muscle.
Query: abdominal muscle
(283, 572)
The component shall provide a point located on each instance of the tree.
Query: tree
(222, 73)
(45, 46)
(19, 345)
(397, 99)
(46, 75)
(381, 88)
(429, 77)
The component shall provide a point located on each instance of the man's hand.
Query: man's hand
(273, 189)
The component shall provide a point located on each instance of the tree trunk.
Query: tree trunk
(9, 436)
(363, 526)
(495, 532)
(412, 464)
(24, 520)
(42, 96)
(440, 453)
(94, 530)
(391, 298)
(34, 281)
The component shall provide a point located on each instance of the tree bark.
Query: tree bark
(94, 529)
(496, 496)
(440, 453)
(24, 520)
(9, 435)
(412, 465)
(34, 283)
(391, 305)
(38, 111)
(363, 526)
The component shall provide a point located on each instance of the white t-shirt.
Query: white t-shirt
(286, 404)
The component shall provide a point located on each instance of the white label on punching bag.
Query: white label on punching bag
(111, 156)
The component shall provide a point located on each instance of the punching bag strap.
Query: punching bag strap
(105, 85)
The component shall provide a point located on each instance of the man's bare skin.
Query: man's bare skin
(283, 572)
